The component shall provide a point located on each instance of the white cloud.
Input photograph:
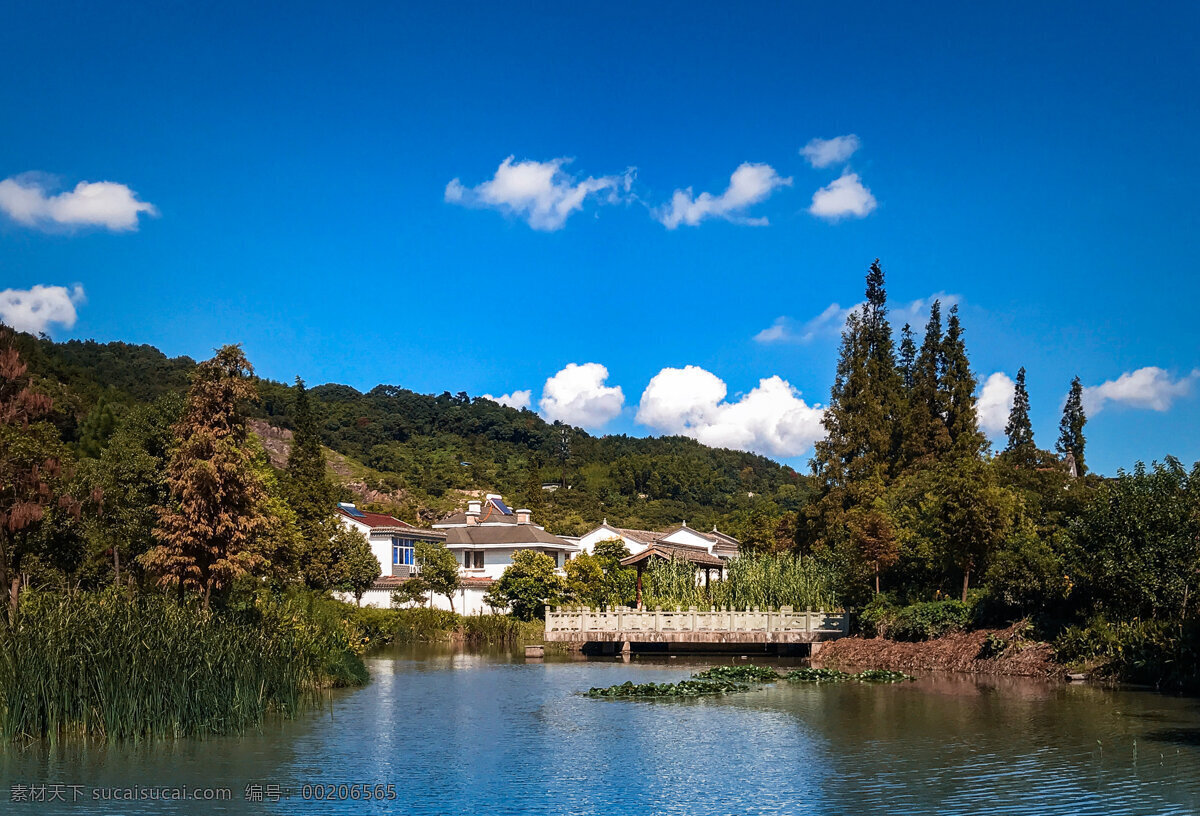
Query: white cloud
(541, 193)
(749, 184)
(824, 152)
(33, 310)
(831, 321)
(577, 395)
(772, 419)
(517, 399)
(842, 197)
(1148, 388)
(995, 402)
(26, 200)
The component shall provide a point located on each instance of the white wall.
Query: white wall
(588, 541)
(468, 600)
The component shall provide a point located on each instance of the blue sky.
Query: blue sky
(282, 177)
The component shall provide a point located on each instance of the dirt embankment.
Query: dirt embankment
(1005, 654)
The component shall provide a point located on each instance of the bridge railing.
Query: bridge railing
(625, 619)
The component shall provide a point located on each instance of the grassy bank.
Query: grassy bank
(382, 627)
(117, 665)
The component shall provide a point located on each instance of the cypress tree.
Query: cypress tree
(1070, 429)
(859, 454)
(310, 493)
(925, 434)
(1019, 430)
(908, 358)
(958, 390)
(211, 528)
(865, 400)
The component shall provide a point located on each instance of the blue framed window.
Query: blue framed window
(403, 551)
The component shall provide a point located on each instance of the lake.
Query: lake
(458, 732)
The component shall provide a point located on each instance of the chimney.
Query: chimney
(473, 509)
(523, 516)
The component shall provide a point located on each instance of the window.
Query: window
(403, 551)
(472, 559)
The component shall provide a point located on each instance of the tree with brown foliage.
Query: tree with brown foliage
(211, 529)
(31, 466)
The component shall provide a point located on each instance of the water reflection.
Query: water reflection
(489, 733)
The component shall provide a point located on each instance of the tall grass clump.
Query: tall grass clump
(500, 630)
(116, 665)
(763, 581)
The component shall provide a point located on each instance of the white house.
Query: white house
(714, 543)
(485, 537)
(483, 540)
(392, 541)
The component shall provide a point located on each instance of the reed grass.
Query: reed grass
(762, 581)
(116, 665)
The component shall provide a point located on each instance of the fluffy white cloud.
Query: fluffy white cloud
(517, 399)
(749, 184)
(824, 152)
(831, 321)
(842, 197)
(26, 200)
(577, 395)
(995, 402)
(772, 419)
(33, 310)
(1150, 387)
(542, 193)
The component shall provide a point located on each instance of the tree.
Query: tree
(925, 434)
(209, 529)
(907, 358)
(874, 536)
(439, 569)
(32, 477)
(527, 585)
(970, 516)
(958, 388)
(619, 586)
(310, 492)
(1020, 447)
(1070, 428)
(865, 398)
(129, 480)
(585, 579)
(356, 567)
(414, 590)
(1135, 549)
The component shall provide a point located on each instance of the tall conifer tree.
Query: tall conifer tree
(958, 389)
(1070, 429)
(925, 434)
(309, 490)
(213, 524)
(907, 358)
(1019, 430)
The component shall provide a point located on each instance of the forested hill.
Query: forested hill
(415, 453)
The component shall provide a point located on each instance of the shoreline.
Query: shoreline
(982, 651)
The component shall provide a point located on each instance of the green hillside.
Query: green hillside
(418, 453)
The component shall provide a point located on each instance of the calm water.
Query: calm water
(459, 733)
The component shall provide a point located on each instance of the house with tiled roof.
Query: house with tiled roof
(393, 542)
(485, 536)
(714, 543)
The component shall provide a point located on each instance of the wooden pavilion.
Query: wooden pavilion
(699, 557)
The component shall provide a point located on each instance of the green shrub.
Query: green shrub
(915, 622)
